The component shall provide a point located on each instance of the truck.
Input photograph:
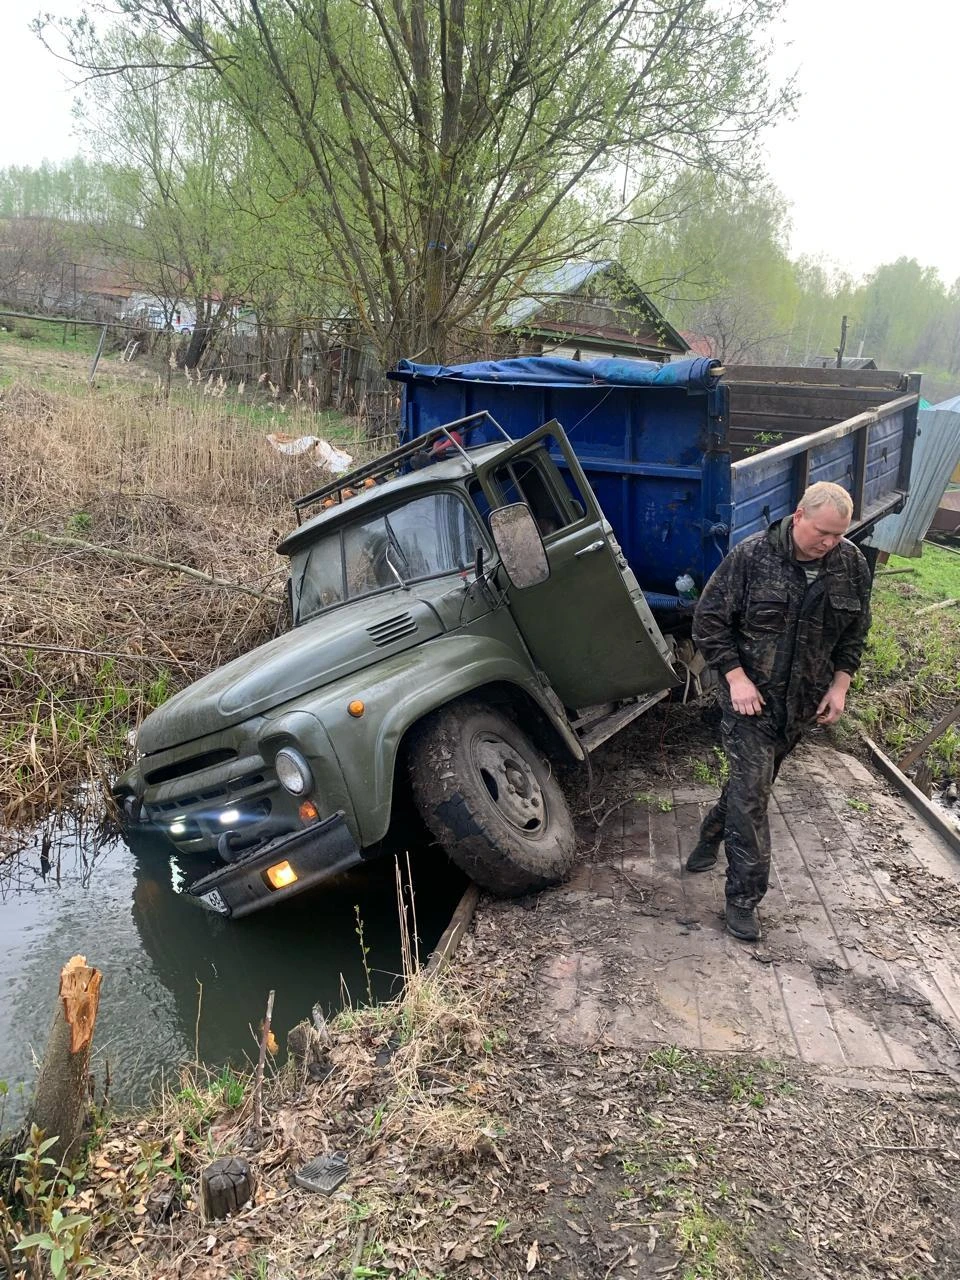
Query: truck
(491, 599)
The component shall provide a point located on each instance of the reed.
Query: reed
(89, 644)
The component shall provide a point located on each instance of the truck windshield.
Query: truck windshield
(432, 535)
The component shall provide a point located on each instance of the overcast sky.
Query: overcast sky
(869, 165)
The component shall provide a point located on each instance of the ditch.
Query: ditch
(179, 983)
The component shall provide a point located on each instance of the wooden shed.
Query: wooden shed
(587, 309)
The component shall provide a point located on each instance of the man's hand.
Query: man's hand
(744, 694)
(834, 700)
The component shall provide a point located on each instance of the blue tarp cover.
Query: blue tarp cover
(547, 371)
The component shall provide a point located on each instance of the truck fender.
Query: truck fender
(491, 675)
(302, 729)
(413, 685)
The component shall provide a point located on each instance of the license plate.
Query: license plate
(214, 900)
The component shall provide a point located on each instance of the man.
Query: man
(784, 620)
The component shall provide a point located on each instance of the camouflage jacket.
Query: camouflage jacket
(758, 611)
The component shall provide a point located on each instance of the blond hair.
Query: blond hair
(818, 495)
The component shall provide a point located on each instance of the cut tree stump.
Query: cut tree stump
(63, 1095)
(226, 1186)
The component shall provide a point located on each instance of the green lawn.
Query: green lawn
(911, 671)
(58, 334)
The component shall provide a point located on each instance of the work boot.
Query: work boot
(742, 922)
(703, 857)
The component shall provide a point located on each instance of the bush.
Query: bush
(26, 331)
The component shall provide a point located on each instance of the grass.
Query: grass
(56, 335)
(377, 1222)
(708, 1245)
(89, 644)
(662, 804)
(65, 368)
(714, 771)
(910, 675)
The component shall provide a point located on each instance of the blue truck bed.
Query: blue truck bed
(688, 459)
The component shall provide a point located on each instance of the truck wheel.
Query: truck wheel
(491, 800)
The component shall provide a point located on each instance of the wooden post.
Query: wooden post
(98, 354)
(225, 1187)
(62, 1098)
(843, 342)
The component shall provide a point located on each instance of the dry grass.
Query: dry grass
(87, 643)
(404, 1089)
(477, 1147)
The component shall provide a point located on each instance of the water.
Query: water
(178, 980)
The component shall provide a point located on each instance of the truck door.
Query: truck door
(588, 626)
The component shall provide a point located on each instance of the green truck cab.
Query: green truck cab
(462, 620)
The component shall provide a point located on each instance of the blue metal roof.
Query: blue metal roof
(545, 285)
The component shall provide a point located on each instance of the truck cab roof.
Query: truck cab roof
(447, 470)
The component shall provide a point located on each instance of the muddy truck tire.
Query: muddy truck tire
(491, 799)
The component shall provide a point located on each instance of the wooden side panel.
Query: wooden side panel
(888, 379)
(765, 414)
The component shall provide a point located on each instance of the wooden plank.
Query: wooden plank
(839, 432)
(788, 429)
(798, 402)
(938, 730)
(860, 469)
(744, 396)
(440, 957)
(930, 814)
(760, 374)
(863, 1040)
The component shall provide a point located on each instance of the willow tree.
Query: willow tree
(720, 265)
(445, 149)
(179, 158)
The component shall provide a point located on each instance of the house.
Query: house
(156, 312)
(588, 310)
(849, 362)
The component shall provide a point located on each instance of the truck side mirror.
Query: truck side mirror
(519, 545)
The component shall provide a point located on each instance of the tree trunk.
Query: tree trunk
(199, 339)
(225, 1187)
(62, 1099)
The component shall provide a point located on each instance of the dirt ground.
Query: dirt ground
(603, 1084)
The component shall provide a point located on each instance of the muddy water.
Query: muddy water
(177, 980)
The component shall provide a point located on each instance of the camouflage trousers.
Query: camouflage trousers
(755, 750)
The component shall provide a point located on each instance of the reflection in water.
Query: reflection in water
(176, 978)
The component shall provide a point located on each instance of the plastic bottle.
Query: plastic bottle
(686, 587)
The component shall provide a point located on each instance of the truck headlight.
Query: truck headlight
(293, 772)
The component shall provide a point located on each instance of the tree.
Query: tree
(179, 165)
(719, 262)
(444, 150)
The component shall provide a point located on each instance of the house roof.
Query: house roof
(849, 362)
(566, 281)
(698, 344)
(545, 286)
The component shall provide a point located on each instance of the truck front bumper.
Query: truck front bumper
(315, 854)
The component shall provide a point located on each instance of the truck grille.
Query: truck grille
(181, 768)
(226, 792)
(391, 629)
